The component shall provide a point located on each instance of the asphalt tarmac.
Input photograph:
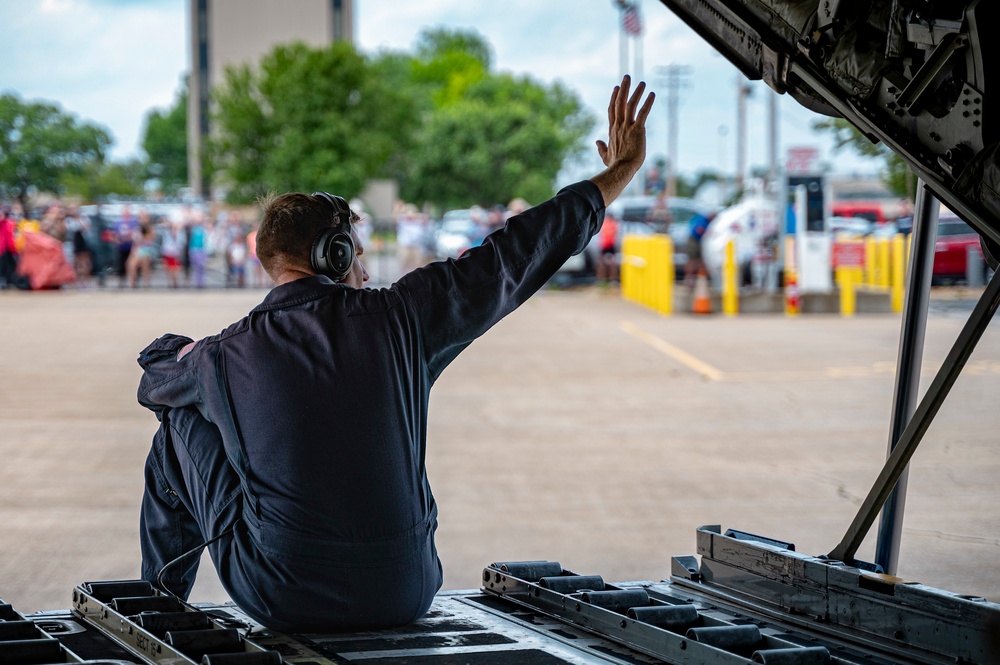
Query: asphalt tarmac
(582, 429)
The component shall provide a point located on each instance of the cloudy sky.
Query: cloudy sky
(110, 61)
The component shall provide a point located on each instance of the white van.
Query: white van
(753, 223)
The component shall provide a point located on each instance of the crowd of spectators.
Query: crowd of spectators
(126, 245)
(153, 244)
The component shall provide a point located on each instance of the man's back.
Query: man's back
(324, 384)
(295, 440)
(319, 399)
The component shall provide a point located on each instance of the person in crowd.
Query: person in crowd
(221, 238)
(695, 260)
(236, 254)
(659, 215)
(8, 249)
(186, 216)
(497, 218)
(198, 247)
(607, 262)
(125, 230)
(171, 248)
(292, 444)
(81, 239)
(139, 264)
(105, 249)
(53, 222)
(364, 225)
(411, 238)
(516, 207)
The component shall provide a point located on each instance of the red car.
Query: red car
(954, 237)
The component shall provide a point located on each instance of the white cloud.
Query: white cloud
(111, 62)
(56, 6)
(108, 64)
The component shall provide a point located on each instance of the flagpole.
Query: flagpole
(638, 44)
(622, 41)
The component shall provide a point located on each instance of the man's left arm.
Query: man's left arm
(456, 301)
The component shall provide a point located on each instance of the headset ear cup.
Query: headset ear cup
(332, 254)
(340, 253)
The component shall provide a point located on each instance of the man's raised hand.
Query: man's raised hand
(625, 149)
(626, 128)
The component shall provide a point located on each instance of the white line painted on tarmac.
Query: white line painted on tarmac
(683, 357)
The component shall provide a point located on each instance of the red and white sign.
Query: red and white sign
(848, 255)
(802, 160)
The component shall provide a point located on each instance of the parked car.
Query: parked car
(849, 227)
(873, 211)
(639, 215)
(954, 238)
(457, 231)
(753, 224)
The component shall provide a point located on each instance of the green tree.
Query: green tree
(40, 144)
(165, 143)
(897, 175)
(435, 43)
(97, 180)
(506, 137)
(446, 128)
(307, 119)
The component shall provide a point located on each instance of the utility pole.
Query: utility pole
(772, 139)
(673, 78)
(743, 91)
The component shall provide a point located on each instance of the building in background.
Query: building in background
(232, 32)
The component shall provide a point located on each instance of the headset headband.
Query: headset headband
(333, 249)
(340, 208)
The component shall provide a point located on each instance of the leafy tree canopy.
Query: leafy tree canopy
(435, 43)
(447, 129)
(507, 137)
(97, 180)
(40, 144)
(897, 175)
(306, 119)
(165, 143)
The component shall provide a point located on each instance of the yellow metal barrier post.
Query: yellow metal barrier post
(848, 296)
(869, 261)
(647, 272)
(883, 264)
(628, 268)
(730, 284)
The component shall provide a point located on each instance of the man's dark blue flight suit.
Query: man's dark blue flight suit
(304, 424)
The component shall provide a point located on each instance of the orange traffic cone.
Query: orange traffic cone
(702, 302)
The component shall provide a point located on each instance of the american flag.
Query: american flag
(631, 20)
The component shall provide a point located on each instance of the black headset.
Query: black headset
(333, 249)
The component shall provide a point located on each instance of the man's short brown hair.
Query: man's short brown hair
(290, 225)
